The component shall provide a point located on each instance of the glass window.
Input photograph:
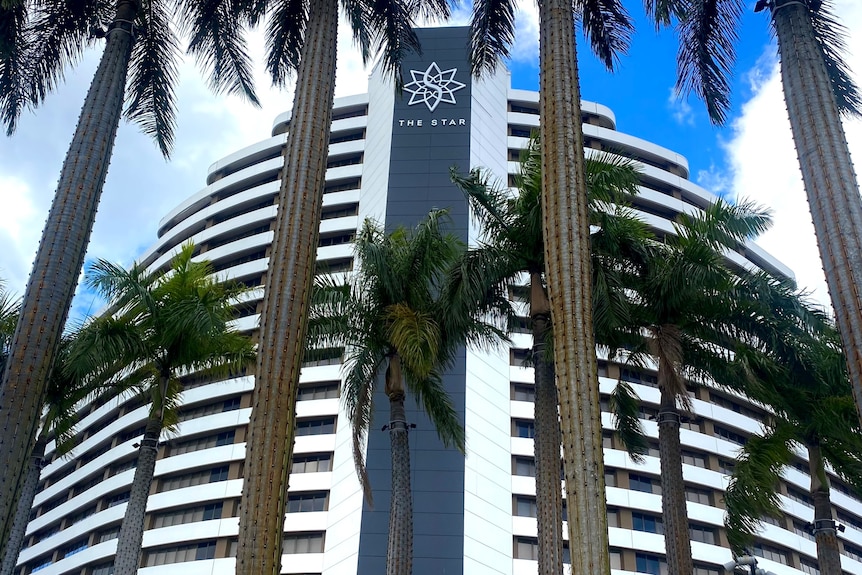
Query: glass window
(697, 495)
(652, 564)
(307, 502)
(205, 551)
(327, 390)
(610, 477)
(322, 426)
(809, 566)
(524, 428)
(694, 458)
(769, 552)
(103, 569)
(524, 466)
(118, 499)
(74, 547)
(647, 523)
(644, 484)
(303, 543)
(313, 463)
(702, 533)
(108, 534)
(525, 506)
(526, 548)
(613, 518)
(521, 392)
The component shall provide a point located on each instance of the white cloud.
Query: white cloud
(765, 168)
(680, 109)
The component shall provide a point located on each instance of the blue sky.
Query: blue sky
(750, 157)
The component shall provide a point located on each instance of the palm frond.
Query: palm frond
(218, 44)
(492, 31)
(625, 407)
(707, 38)
(830, 35)
(608, 27)
(432, 396)
(14, 92)
(151, 102)
(285, 36)
(751, 493)
(392, 35)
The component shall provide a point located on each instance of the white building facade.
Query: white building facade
(389, 160)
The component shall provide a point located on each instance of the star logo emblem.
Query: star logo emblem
(433, 86)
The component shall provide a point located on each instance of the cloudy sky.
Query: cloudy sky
(751, 157)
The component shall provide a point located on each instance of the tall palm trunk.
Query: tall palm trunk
(25, 504)
(399, 554)
(825, 534)
(132, 529)
(673, 505)
(549, 497)
(567, 257)
(58, 262)
(827, 172)
(285, 305)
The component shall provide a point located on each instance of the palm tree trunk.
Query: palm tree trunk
(58, 262)
(285, 305)
(22, 515)
(567, 257)
(825, 533)
(546, 441)
(827, 172)
(676, 536)
(399, 554)
(132, 529)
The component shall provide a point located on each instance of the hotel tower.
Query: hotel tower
(389, 159)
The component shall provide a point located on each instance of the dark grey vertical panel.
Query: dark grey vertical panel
(425, 144)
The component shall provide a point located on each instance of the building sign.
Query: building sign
(432, 86)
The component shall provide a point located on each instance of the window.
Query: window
(610, 478)
(526, 548)
(809, 566)
(637, 376)
(342, 186)
(652, 564)
(307, 502)
(80, 516)
(769, 552)
(188, 515)
(616, 559)
(74, 547)
(852, 551)
(607, 440)
(694, 458)
(325, 356)
(519, 357)
(327, 390)
(314, 463)
(524, 466)
(209, 409)
(647, 523)
(725, 466)
(335, 239)
(322, 426)
(303, 543)
(697, 495)
(707, 570)
(108, 534)
(180, 554)
(803, 530)
(195, 478)
(523, 428)
(772, 521)
(525, 506)
(702, 533)
(41, 563)
(729, 435)
(613, 518)
(644, 483)
(132, 434)
(118, 468)
(205, 442)
(340, 161)
(521, 392)
(799, 496)
(339, 212)
(117, 499)
(103, 569)
(347, 137)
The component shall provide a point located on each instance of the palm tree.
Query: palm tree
(818, 88)
(512, 244)
(393, 315)
(681, 312)
(160, 324)
(797, 368)
(65, 390)
(301, 38)
(138, 66)
(566, 233)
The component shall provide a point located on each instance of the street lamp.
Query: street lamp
(746, 561)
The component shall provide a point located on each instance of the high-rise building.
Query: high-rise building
(389, 159)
